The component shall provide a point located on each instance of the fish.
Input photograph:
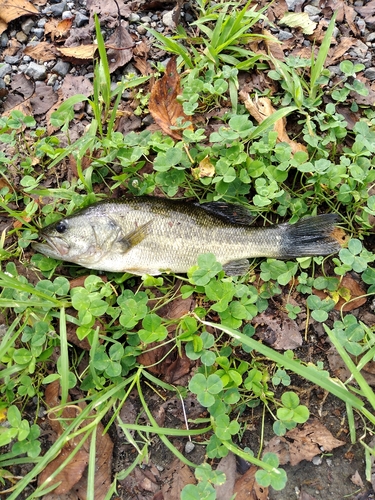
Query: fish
(151, 235)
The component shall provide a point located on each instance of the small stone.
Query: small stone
(12, 59)
(27, 26)
(284, 35)
(147, 120)
(189, 447)
(81, 19)
(312, 11)
(360, 49)
(361, 24)
(42, 22)
(5, 69)
(51, 80)
(7, 79)
(134, 18)
(129, 70)
(55, 10)
(26, 59)
(2, 88)
(370, 73)
(317, 460)
(36, 71)
(66, 15)
(141, 30)
(4, 40)
(21, 37)
(38, 32)
(371, 37)
(168, 20)
(61, 68)
(146, 19)
(292, 4)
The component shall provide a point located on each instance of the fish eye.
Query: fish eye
(61, 227)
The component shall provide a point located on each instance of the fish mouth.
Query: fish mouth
(57, 245)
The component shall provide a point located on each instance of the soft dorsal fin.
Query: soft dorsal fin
(229, 212)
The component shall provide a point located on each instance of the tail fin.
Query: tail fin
(309, 237)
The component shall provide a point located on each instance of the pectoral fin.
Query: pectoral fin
(135, 237)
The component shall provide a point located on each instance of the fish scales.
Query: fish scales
(148, 235)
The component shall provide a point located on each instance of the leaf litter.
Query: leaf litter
(74, 474)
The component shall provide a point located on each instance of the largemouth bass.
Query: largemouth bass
(149, 235)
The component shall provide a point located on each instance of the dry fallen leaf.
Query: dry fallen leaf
(119, 48)
(335, 53)
(260, 109)
(274, 46)
(57, 28)
(350, 295)
(163, 105)
(248, 489)
(299, 20)
(278, 330)
(41, 51)
(81, 52)
(303, 443)
(75, 475)
(174, 478)
(204, 169)
(13, 9)
(228, 466)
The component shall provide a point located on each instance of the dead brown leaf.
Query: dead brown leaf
(72, 85)
(13, 9)
(351, 297)
(43, 98)
(366, 10)
(163, 105)
(350, 16)
(276, 10)
(108, 12)
(335, 53)
(119, 47)
(71, 473)
(13, 47)
(248, 489)
(171, 366)
(331, 6)
(278, 330)
(58, 28)
(260, 109)
(274, 47)
(175, 478)
(228, 466)
(140, 53)
(204, 169)
(80, 53)
(357, 480)
(75, 475)
(41, 51)
(303, 443)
